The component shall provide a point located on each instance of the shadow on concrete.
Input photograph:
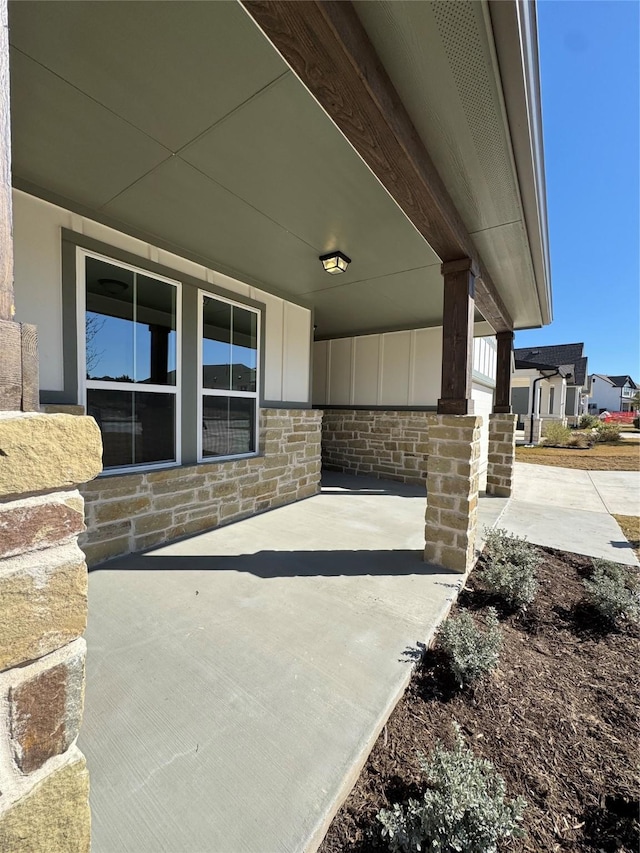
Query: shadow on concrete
(339, 483)
(283, 564)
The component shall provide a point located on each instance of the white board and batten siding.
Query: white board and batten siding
(38, 296)
(398, 369)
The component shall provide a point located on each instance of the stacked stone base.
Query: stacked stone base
(391, 445)
(131, 512)
(452, 491)
(43, 610)
(502, 451)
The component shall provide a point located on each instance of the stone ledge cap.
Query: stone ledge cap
(40, 452)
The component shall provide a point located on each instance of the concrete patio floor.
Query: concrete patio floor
(571, 509)
(237, 680)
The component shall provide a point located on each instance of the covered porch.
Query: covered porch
(171, 177)
(265, 659)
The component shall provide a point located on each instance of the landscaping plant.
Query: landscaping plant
(509, 567)
(556, 434)
(613, 592)
(470, 651)
(464, 809)
(588, 422)
(580, 439)
(607, 432)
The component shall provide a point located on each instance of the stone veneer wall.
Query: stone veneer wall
(44, 784)
(502, 454)
(452, 491)
(382, 443)
(130, 512)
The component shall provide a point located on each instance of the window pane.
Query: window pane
(109, 321)
(241, 425)
(155, 331)
(136, 427)
(155, 418)
(228, 426)
(215, 426)
(244, 350)
(113, 410)
(216, 344)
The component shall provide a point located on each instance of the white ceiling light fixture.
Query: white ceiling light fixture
(335, 262)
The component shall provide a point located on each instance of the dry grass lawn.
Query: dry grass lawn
(624, 456)
(630, 526)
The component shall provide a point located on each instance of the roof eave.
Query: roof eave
(515, 33)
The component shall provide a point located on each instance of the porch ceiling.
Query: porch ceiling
(180, 123)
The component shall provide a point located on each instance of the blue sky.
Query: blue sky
(589, 58)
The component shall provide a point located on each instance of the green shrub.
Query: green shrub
(470, 651)
(607, 432)
(509, 568)
(464, 809)
(555, 434)
(588, 421)
(613, 591)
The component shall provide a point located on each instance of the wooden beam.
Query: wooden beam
(457, 338)
(327, 46)
(18, 342)
(503, 373)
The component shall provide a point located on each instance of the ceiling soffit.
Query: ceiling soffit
(259, 184)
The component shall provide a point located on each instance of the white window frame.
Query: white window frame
(221, 392)
(85, 384)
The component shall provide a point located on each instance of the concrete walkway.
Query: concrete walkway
(236, 681)
(571, 510)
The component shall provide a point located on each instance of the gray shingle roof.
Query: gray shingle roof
(567, 356)
(620, 381)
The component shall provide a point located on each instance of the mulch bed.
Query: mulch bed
(559, 719)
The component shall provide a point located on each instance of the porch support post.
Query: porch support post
(503, 373)
(452, 491)
(457, 337)
(502, 425)
(18, 342)
(43, 575)
(454, 434)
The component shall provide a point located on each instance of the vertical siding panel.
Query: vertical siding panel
(412, 366)
(427, 373)
(340, 372)
(320, 360)
(395, 383)
(366, 371)
(296, 354)
(273, 347)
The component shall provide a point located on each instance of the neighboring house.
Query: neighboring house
(550, 382)
(612, 394)
(217, 208)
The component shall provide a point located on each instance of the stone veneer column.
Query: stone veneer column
(536, 433)
(452, 491)
(502, 453)
(43, 611)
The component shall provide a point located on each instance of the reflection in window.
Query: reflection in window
(131, 345)
(137, 428)
(130, 326)
(229, 378)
